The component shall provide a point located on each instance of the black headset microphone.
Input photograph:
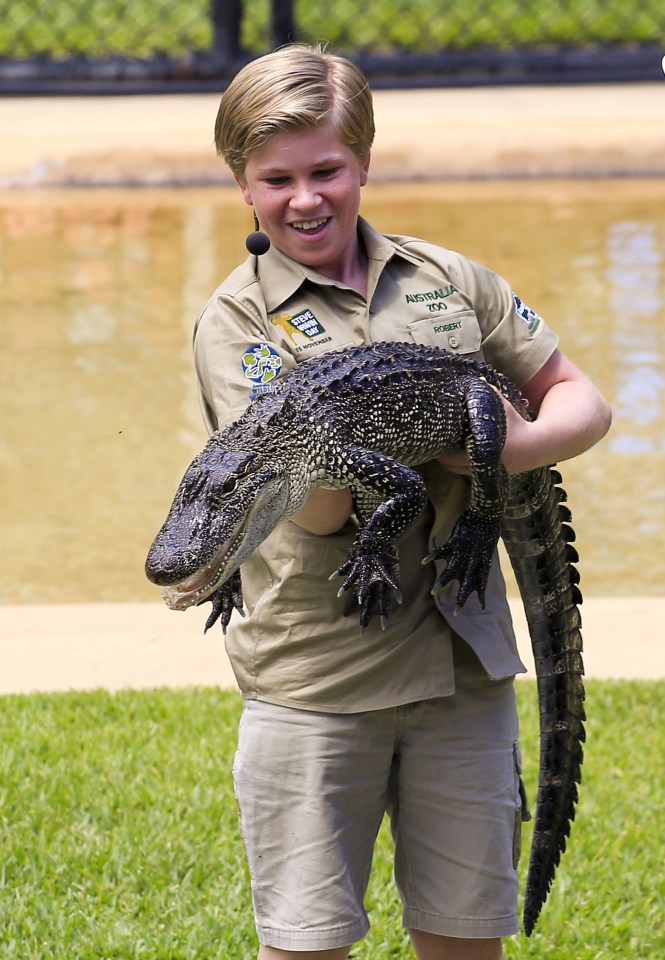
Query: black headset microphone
(257, 242)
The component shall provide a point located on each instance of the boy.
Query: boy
(418, 720)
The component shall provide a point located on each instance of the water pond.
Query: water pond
(98, 294)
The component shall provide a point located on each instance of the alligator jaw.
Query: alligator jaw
(198, 586)
(270, 502)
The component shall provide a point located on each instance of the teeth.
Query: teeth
(309, 224)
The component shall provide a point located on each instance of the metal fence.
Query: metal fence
(115, 46)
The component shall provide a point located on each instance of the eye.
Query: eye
(228, 486)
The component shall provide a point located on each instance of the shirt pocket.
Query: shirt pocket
(457, 332)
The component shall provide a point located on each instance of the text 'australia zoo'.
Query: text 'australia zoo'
(433, 298)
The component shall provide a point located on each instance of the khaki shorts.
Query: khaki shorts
(312, 790)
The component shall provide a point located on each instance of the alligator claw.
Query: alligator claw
(369, 578)
(468, 554)
(225, 599)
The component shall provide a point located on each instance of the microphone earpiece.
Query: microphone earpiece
(257, 242)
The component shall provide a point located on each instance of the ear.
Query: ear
(244, 189)
(364, 171)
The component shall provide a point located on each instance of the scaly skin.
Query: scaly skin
(537, 538)
(361, 418)
(356, 418)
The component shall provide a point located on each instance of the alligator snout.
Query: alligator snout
(161, 569)
(165, 567)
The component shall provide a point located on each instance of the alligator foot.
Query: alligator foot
(370, 576)
(468, 554)
(225, 600)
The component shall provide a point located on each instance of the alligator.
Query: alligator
(363, 417)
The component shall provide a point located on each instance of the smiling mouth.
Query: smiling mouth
(310, 226)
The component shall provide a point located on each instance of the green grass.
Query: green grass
(100, 28)
(120, 840)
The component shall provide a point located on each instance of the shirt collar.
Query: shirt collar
(281, 276)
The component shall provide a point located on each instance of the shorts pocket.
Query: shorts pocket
(522, 814)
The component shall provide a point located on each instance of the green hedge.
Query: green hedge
(101, 28)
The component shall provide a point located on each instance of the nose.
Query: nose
(305, 196)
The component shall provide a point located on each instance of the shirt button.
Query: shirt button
(453, 341)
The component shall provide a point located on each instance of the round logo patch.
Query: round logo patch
(261, 363)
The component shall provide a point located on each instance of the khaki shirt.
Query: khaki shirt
(296, 647)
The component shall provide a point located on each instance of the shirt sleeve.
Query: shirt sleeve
(516, 339)
(234, 359)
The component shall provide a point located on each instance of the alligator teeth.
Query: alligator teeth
(195, 588)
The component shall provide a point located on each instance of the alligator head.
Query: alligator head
(227, 503)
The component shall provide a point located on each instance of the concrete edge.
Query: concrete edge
(61, 647)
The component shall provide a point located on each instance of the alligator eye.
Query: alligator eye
(229, 486)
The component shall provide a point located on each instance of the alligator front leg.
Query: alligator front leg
(468, 551)
(387, 497)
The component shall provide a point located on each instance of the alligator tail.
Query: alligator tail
(538, 539)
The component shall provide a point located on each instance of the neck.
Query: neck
(351, 270)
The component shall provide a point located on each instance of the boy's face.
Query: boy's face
(305, 189)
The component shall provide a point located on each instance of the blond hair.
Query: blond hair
(294, 88)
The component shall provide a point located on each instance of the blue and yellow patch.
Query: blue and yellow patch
(261, 364)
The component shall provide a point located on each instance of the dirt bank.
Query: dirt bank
(597, 130)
